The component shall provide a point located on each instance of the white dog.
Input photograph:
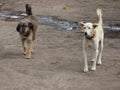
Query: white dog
(94, 36)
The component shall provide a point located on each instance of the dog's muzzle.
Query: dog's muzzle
(26, 34)
(89, 37)
(85, 34)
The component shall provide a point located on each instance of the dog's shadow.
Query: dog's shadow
(10, 55)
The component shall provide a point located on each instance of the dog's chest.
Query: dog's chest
(26, 37)
(90, 43)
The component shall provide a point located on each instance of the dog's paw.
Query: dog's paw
(92, 60)
(99, 62)
(33, 51)
(28, 56)
(24, 53)
(85, 70)
(93, 68)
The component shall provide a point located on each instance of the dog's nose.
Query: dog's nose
(85, 34)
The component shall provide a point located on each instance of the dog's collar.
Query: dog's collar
(90, 37)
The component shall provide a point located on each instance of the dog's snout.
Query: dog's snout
(85, 34)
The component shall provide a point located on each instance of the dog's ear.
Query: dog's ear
(18, 27)
(81, 24)
(30, 26)
(95, 25)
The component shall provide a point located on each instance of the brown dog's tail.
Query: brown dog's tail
(99, 14)
(28, 9)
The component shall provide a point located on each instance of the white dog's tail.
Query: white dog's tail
(99, 14)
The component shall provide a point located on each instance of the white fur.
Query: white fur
(96, 41)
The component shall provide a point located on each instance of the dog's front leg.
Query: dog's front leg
(29, 49)
(96, 56)
(24, 44)
(85, 56)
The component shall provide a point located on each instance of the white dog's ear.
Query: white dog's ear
(81, 24)
(95, 25)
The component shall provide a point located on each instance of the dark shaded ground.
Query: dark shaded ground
(58, 61)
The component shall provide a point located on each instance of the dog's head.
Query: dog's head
(88, 29)
(25, 28)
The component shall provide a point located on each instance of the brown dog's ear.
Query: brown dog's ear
(18, 27)
(95, 25)
(31, 26)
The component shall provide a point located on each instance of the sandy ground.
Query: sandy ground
(58, 61)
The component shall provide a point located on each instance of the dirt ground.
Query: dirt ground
(58, 60)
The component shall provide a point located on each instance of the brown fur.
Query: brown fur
(27, 28)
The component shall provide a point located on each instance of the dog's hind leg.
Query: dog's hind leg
(33, 47)
(96, 56)
(85, 56)
(100, 53)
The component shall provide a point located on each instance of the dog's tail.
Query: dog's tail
(99, 14)
(28, 9)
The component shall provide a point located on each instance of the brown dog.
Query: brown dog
(27, 29)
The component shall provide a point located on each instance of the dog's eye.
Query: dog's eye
(89, 28)
(84, 27)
